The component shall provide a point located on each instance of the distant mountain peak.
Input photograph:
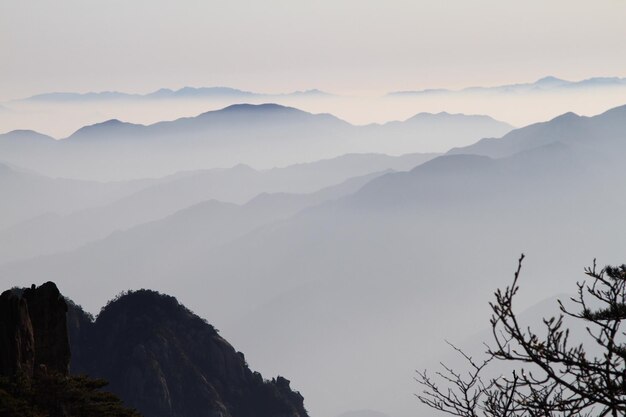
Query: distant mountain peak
(454, 116)
(191, 92)
(244, 168)
(25, 134)
(111, 122)
(566, 117)
(550, 80)
(163, 91)
(311, 92)
(104, 128)
(249, 106)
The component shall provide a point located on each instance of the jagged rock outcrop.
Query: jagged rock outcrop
(48, 310)
(35, 357)
(158, 356)
(33, 331)
(17, 344)
(167, 362)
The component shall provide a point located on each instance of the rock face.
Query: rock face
(158, 356)
(17, 344)
(48, 310)
(33, 332)
(35, 358)
(167, 362)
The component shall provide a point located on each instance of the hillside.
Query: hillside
(159, 357)
(594, 133)
(165, 361)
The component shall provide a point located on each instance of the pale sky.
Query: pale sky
(349, 46)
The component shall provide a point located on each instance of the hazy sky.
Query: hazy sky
(282, 45)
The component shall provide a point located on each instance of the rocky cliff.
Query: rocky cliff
(35, 358)
(17, 344)
(33, 332)
(167, 362)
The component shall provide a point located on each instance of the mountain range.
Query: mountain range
(169, 94)
(44, 219)
(61, 114)
(362, 267)
(27, 194)
(262, 136)
(543, 85)
(364, 272)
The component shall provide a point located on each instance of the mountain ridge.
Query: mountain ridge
(262, 136)
(568, 128)
(167, 93)
(548, 83)
(163, 359)
(246, 107)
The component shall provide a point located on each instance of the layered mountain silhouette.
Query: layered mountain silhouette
(26, 194)
(166, 93)
(61, 230)
(548, 83)
(370, 267)
(265, 135)
(545, 84)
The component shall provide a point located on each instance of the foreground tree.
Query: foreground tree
(56, 395)
(549, 375)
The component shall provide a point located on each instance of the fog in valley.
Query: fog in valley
(347, 273)
(286, 209)
(60, 114)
